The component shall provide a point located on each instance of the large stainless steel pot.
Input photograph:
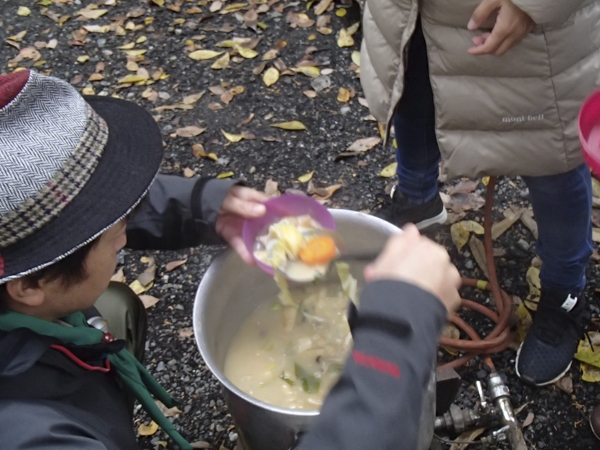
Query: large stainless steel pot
(230, 291)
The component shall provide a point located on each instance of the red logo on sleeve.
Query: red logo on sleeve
(1, 265)
(375, 363)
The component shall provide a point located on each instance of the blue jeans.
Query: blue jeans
(561, 203)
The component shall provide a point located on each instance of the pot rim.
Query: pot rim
(198, 312)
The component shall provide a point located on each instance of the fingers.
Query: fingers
(482, 12)
(244, 202)
(489, 45)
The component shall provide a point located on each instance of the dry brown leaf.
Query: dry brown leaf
(310, 94)
(201, 445)
(364, 144)
(190, 131)
(96, 77)
(172, 107)
(188, 173)
(322, 7)
(299, 20)
(529, 222)
(478, 252)
(465, 438)
(259, 69)
(168, 412)
(172, 265)
(246, 121)
(325, 193)
(226, 97)
(533, 279)
(147, 276)
(529, 419)
(565, 384)
(193, 98)
(272, 188)
(89, 13)
(186, 333)
(118, 277)
(198, 152)
(462, 187)
(271, 54)
(148, 300)
(498, 229)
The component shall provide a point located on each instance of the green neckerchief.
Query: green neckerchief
(135, 377)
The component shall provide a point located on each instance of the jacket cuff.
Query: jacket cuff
(207, 198)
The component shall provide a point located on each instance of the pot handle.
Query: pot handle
(297, 436)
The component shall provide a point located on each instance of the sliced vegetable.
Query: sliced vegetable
(319, 250)
(310, 383)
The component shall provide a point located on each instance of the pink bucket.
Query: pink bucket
(589, 131)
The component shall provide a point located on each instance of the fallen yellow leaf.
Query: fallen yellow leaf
(141, 40)
(389, 171)
(159, 2)
(271, 76)
(132, 79)
(139, 288)
(232, 137)
(132, 66)
(345, 39)
(192, 98)
(343, 95)
(294, 125)
(590, 373)
(225, 175)
(246, 52)
(356, 58)
(201, 55)
(322, 7)
(309, 71)
(585, 353)
(199, 152)
(128, 46)
(341, 12)
(306, 177)
(188, 173)
(533, 279)
(91, 13)
(221, 63)
(459, 235)
(149, 430)
(523, 321)
(139, 52)
(23, 11)
(82, 58)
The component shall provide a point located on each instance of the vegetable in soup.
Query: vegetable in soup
(292, 355)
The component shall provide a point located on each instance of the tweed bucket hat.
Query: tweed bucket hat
(70, 168)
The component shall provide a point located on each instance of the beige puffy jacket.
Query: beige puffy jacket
(509, 115)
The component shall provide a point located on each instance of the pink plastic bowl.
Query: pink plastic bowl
(277, 209)
(589, 131)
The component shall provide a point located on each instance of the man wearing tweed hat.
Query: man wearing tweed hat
(71, 170)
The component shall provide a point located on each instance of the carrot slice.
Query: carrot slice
(319, 250)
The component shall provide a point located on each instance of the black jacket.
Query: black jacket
(49, 401)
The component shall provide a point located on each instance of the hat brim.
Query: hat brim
(129, 164)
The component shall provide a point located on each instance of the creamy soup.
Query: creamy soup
(292, 355)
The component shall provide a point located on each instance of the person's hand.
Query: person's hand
(240, 203)
(414, 259)
(512, 25)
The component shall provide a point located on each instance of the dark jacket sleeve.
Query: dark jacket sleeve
(378, 400)
(176, 213)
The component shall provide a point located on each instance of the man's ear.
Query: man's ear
(25, 293)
